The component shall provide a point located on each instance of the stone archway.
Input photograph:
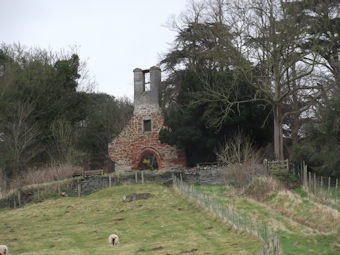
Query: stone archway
(149, 159)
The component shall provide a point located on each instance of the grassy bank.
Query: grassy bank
(164, 224)
(305, 227)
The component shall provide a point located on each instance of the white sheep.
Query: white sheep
(3, 249)
(113, 239)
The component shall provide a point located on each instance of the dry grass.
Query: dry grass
(295, 238)
(306, 212)
(261, 188)
(42, 175)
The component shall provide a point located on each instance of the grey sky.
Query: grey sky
(114, 36)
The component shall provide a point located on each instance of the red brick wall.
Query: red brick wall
(128, 148)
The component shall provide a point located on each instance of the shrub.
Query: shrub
(260, 188)
(240, 160)
(42, 175)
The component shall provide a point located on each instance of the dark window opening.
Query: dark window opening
(148, 162)
(146, 80)
(146, 125)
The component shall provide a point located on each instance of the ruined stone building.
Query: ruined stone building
(138, 146)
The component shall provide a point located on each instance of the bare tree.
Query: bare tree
(277, 66)
(19, 139)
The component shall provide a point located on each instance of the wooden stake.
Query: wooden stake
(79, 189)
(336, 188)
(38, 192)
(305, 175)
(19, 197)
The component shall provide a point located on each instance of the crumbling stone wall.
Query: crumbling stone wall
(129, 147)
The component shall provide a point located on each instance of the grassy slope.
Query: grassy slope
(163, 224)
(295, 238)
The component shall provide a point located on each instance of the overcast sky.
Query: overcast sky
(114, 36)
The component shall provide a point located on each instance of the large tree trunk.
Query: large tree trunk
(278, 136)
(295, 125)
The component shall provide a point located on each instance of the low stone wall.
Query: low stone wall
(84, 186)
(211, 175)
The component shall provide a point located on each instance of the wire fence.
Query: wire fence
(267, 235)
(81, 186)
(323, 187)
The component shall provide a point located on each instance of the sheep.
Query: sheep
(113, 239)
(3, 249)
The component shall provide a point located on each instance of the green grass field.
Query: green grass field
(163, 224)
(305, 227)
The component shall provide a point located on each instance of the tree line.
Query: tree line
(269, 68)
(45, 119)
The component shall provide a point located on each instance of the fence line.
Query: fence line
(78, 187)
(324, 187)
(267, 235)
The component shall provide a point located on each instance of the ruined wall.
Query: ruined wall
(136, 141)
(128, 149)
(132, 143)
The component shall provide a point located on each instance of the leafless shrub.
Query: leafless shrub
(240, 160)
(261, 187)
(42, 175)
(239, 149)
(53, 173)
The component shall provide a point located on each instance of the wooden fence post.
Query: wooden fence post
(136, 176)
(305, 175)
(110, 180)
(329, 186)
(314, 183)
(38, 192)
(19, 197)
(142, 174)
(336, 188)
(79, 189)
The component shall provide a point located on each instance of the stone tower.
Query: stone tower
(138, 146)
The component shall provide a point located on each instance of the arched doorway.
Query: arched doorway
(148, 159)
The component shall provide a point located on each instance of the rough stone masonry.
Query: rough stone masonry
(139, 138)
